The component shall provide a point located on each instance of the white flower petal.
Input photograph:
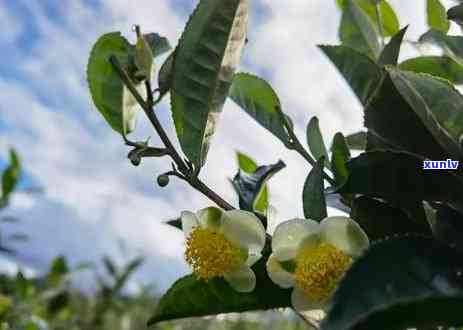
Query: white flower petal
(244, 229)
(290, 234)
(345, 234)
(210, 217)
(189, 222)
(242, 280)
(302, 304)
(253, 258)
(278, 274)
(272, 219)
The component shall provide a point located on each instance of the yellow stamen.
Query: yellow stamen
(210, 254)
(319, 270)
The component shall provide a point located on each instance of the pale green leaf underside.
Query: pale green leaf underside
(255, 96)
(205, 62)
(110, 96)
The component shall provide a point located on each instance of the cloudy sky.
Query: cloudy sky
(93, 198)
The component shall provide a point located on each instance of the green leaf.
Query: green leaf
(159, 45)
(357, 30)
(143, 57)
(451, 45)
(248, 165)
(357, 141)
(438, 66)
(389, 20)
(315, 141)
(251, 186)
(399, 176)
(259, 100)
(448, 226)
(456, 14)
(435, 98)
(204, 64)
(165, 75)
(189, 297)
(112, 99)
(437, 16)
(410, 99)
(390, 53)
(361, 73)
(339, 158)
(10, 177)
(58, 269)
(177, 223)
(381, 220)
(313, 196)
(407, 282)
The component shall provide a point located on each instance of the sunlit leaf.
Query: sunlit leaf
(112, 99)
(437, 16)
(439, 66)
(255, 96)
(205, 61)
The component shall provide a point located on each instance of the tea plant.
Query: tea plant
(396, 261)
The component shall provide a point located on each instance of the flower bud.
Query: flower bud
(163, 180)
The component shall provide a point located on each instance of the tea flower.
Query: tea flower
(224, 244)
(312, 257)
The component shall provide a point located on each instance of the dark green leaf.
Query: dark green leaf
(439, 66)
(357, 30)
(339, 158)
(434, 98)
(112, 99)
(456, 14)
(451, 45)
(189, 297)
(313, 196)
(10, 176)
(249, 166)
(399, 175)
(381, 220)
(250, 186)
(165, 74)
(408, 282)
(409, 99)
(390, 53)
(361, 73)
(159, 44)
(111, 268)
(448, 226)
(357, 141)
(259, 100)
(177, 223)
(204, 64)
(437, 16)
(315, 141)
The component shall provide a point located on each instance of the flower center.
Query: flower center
(319, 270)
(210, 254)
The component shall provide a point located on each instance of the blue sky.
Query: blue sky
(92, 196)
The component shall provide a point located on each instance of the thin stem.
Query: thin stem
(186, 172)
(297, 146)
(379, 22)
